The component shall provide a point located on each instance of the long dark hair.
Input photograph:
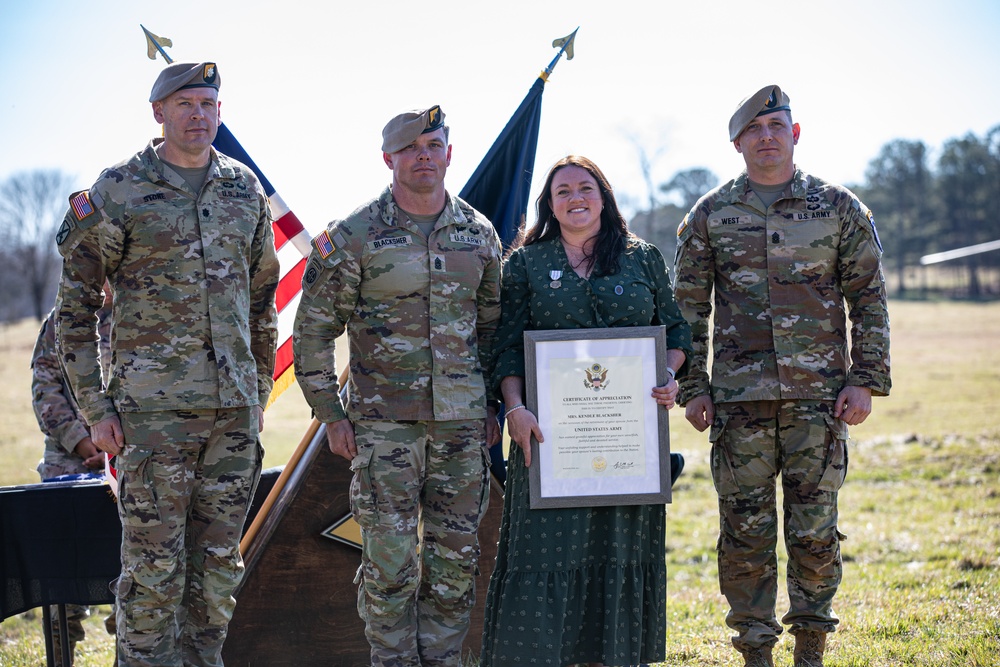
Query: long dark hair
(612, 239)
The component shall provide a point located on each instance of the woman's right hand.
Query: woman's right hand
(521, 426)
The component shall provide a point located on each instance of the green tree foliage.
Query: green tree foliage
(968, 178)
(898, 190)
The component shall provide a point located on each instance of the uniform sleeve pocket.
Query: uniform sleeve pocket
(835, 468)
(722, 465)
(137, 484)
(874, 333)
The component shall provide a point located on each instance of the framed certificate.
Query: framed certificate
(607, 442)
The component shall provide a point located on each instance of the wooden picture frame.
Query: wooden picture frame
(607, 441)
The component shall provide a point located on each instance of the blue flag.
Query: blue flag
(499, 189)
(500, 186)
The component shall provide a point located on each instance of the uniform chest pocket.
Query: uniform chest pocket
(230, 223)
(813, 242)
(462, 265)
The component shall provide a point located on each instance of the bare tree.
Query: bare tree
(32, 204)
(647, 160)
(690, 185)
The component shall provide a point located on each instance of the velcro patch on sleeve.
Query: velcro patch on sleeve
(81, 205)
(324, 244)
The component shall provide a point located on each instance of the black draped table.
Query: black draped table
(61, 543)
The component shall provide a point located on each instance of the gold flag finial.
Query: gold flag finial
(565, 45)
(156, 44)
(568, 41)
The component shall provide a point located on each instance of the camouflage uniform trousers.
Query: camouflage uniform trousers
(56, 465)
(751, 443)
(185, 483)
(418, 492)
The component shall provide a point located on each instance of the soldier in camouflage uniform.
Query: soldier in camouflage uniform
(69, 449)
(183, 235)
(782, 250)
(413, 276)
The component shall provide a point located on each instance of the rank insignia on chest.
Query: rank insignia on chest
(324, 245)
(80, 203)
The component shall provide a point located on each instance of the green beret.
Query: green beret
(402, 130)
(766, 100)
(185, 75)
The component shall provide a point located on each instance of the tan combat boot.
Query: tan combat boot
(809, 648)
(758, 656)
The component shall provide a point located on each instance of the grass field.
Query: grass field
(921, 507)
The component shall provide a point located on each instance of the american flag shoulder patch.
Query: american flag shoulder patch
(681, 227)
(324, 246)
(80, 203)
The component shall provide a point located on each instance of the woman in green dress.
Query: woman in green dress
(577, 585)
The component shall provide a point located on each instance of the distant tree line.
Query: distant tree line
(920, 208)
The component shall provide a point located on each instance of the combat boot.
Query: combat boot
(757, 656)
(809, 648)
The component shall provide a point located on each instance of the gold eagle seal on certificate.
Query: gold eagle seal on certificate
(599, 464)
(597, 377)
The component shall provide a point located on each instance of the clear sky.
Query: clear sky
(307, 86)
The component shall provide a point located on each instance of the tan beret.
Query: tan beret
(185, 75)
(766, 100)
(402, 130)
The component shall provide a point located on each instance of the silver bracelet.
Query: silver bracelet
(672, 373)
(519, 406)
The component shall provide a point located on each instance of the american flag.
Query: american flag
(292, 243)
(81, 205)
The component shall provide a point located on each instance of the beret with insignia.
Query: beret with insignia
(185, 75)
(402, 130)
(766, 100)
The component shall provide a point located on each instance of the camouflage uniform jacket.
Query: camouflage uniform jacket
(420, 314)
(193, 276)
(781, 275)
(52, 399)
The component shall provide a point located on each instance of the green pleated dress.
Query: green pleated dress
(578, 584)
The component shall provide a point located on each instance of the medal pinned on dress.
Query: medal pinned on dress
(555, 276)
